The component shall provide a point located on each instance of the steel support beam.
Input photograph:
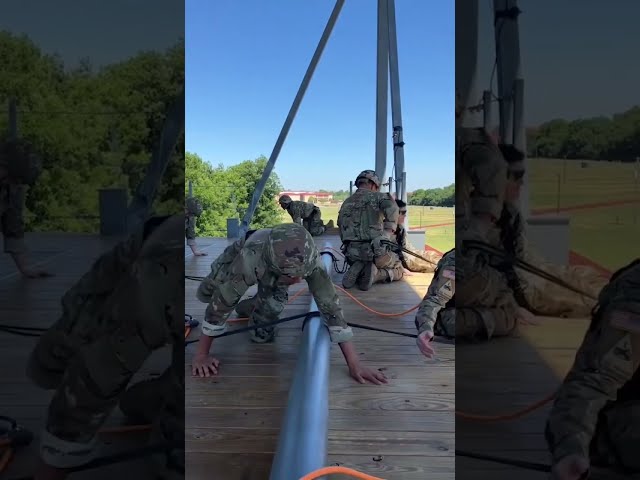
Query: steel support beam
(382, 88)
(466, 47)
(140, 205)
(507, 42)
(257, 193)
(303, 442)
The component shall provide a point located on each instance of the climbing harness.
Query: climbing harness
(397, 249)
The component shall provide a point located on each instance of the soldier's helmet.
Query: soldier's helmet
(194, 206)
(285, 200)
(22, 163)
(163, 238)
(291, 251)
(369, 175)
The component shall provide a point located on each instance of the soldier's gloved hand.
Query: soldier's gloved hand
(424, 344)
(204, 366)
(571, 467)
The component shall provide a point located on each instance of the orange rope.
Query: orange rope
(507, 416)
(341, 470)
(382, 314)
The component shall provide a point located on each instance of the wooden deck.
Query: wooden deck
(400, 431)
(506, 376)
(36, 303)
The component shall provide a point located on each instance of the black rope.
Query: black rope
(538, 467)
(335, 261)
(475, 244)
(397, 249)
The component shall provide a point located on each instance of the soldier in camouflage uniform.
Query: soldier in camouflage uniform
(128, 305)
(192, 210)
(273, 258)
(367, 220)
(305, 214)
(19, 168)
(411, 262)
(532, 294)
(596, 415)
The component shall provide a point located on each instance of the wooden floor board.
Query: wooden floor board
(400, 431)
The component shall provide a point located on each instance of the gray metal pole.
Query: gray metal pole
(13, 119)
(303, 441)
(486, 110)
(520, 141)
(140, 204)
(382, 88)
(466, 47)
(390, 184)
(507, 40)
(190, 189)
(351, 187)
(396, 110)
(257, 193)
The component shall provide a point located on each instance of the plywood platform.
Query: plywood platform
(36, 303)
(400, 431)
(505, 376)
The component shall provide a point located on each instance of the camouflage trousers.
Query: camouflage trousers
(190, 229)
(89, 363)
(370, 263)
(266, 306)
(617, 439)
(314, 223)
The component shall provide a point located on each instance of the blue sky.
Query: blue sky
(245, 60)
(576, 57)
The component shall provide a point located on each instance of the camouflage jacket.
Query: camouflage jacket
(541, 296)
(412, 263)
(439, 293)
(11, 219)
(366, 214)
(246, 264)
(603, 365)
(300, 211)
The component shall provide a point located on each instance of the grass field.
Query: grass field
(439, 223)
(608, 230)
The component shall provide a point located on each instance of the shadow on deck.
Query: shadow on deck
(400, 431)
(36, 303)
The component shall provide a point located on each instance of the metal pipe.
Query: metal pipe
(466, 35)
(382, 89)
(303, 442)
(351, 187)
(520, 141)
(142, 200)
(257, 193)
(396, 110)
(486, 110)
(190, 189)
(13, 119)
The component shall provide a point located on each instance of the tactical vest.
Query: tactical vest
(360, 217)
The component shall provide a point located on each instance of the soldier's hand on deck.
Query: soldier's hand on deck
(424, 344)
(363, 374)
(571, 467)
(29, 273)
(204, 366)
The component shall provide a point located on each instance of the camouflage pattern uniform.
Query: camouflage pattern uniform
(112, 320)
(366, 220)
(412, 263)
(286, 249)
(541, 296)
(192, 210)
(305, 214)
(440, 292)
(596, 413)
(21, 168)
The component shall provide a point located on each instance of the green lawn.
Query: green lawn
(606, 235)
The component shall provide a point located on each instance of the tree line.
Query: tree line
(226, 192)
(95, 128)
(615, 138)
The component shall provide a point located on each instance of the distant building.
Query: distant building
(315, 197)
